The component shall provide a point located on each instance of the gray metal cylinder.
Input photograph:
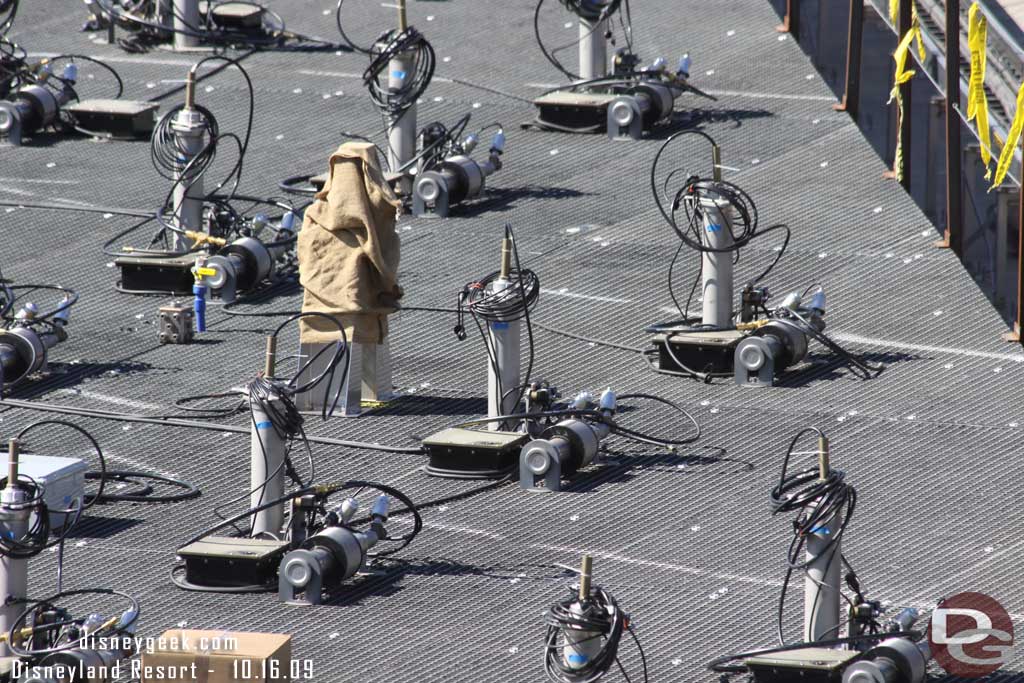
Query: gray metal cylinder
(896, 660)
(822, 583)
(186, 18)
(402, 127)
(593, 49)
(505, 341)
(717, 273)
(266, 472)
(14, 521)
(188, 196)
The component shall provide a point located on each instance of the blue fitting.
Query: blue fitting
(498, 142)
(199, 307)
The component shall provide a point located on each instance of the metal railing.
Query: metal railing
(985, 234)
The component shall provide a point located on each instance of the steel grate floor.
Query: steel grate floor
(684, 540)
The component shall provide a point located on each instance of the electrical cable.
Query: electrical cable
(144, 492)
(819, 501)
(599, 614)
(107, 631)
(193, 424)
(411, 44)
(594, 11)
(511, 303)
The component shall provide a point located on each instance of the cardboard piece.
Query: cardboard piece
(191, 656)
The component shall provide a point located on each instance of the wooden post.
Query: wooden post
(791, 22)
(854, 44)
(953, 238)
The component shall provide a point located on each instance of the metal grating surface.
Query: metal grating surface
(683, 540)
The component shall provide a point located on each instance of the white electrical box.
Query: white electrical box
(62, 479)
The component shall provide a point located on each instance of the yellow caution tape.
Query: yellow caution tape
(1006, 156)
(894, 16)
(902, 75)
(977, 104)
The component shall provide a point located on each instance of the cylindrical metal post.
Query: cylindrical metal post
(188, 193)
(266, 472)
(402, 127)
(186, 24)
(505, 342)
(954, 231)
(822, 583)
(593, 49)
(14, 519)
(854, 46)
(717, 266)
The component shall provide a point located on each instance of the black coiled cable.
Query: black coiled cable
(601, 615)
(818, 502)
(8, 10)
(512, 303)
(414, 84)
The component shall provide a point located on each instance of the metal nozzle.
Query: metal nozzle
(271, 357)
(347, 510)
(823, 459)
(586, 567)
(716, 162)
(13, 447)
(506, 255)
(190, 89)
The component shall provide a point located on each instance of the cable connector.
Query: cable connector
(201, 238)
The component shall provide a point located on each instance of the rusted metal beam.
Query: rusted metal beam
(791, 22)
(906, 93)
(953, 237)
(854, 46)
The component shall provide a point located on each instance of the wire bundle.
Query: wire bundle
(8, 10)
(818, 502)
(415, 46)
(512, 303)
(600, 615)
(591, 10)
(67, 633)
(143, 18)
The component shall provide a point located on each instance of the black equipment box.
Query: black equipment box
(709, 351)
(226, 561)
(149, 274)
(807, 665)
(574, 110)
(118, 118)
(473, 454)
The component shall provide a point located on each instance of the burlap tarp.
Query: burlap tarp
(348, 250)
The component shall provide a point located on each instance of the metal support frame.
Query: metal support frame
(368, 378)
(953, 237)
(854, 48)
(791, 22)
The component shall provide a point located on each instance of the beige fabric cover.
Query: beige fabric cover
(348, 250)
